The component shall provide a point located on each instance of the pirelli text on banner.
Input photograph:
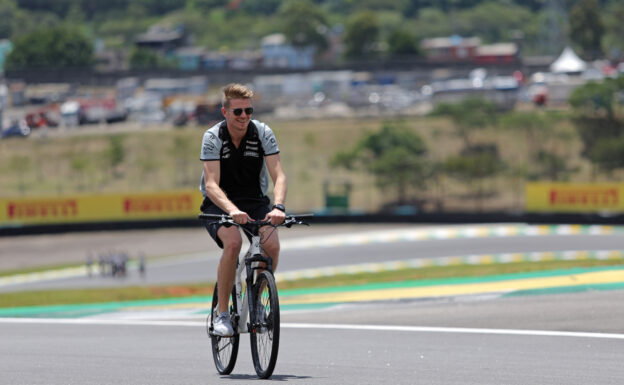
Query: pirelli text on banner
(105, 207)
(571, 197)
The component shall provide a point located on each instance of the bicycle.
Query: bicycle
(263, 309)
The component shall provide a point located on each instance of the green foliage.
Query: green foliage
(115, 153)
(432, 22)
(614, 30)
(477, 162)
(142, 58)
(586, 27)
(361, 35)
(394, 154)
(473, 166)
(402, 42)
(493, 21)
(597, 99)
(473, 112)
(8, 12)
(468, 115)
(59, 47)
(304, 24)
(552, 166)
(600, 127)
(608, 153)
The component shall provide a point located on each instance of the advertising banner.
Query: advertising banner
(575, 198)
(100, 208)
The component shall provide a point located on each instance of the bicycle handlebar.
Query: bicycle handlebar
(291, 219)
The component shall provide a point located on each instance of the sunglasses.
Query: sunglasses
(239, 111)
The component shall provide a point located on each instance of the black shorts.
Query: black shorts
(256, 208)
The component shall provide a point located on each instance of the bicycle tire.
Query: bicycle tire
(224, 349)
(265, 335)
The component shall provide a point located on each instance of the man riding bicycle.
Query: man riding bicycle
(236, 155)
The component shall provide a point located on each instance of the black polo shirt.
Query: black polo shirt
(243, 173)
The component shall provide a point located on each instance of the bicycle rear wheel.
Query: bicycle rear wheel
(265, 330)
(224, 349)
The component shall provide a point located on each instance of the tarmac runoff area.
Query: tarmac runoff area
(570, 280)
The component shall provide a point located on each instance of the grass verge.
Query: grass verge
(83, 296)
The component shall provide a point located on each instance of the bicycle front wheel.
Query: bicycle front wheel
(224, 349)
(265, 330)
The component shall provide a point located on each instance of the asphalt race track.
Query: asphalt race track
(557, 338)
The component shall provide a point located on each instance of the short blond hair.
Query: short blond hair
(235, 91)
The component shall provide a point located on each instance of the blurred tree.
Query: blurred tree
(543, 160)
(143, 58)
(115, 154)
(58, 7)
(553, 167)
(432, 22)
(475, 164)
(8, 11)
(382, 5)
(59, 47)
(614, 38)
(587, 28)
(608, 154)
(597, 99)
(305, 24)
(598, 123)
(120, 31)
(468, 115)
(205, 6)
(361, 34)
(394, 155)
(493, 21)
(401, 42)
(262, 7)
(75, 14)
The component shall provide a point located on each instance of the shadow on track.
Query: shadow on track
(275, 377)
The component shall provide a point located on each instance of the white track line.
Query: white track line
(391, 328)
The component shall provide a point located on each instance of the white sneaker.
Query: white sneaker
(222, 326)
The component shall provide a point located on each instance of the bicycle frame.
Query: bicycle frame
(250, 261)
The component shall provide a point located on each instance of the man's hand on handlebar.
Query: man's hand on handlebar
(276, 217)
(240, 217)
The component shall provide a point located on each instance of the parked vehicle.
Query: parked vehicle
(47, 117)
(15, 127)
(89, 111)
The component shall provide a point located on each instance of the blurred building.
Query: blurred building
(278, 53)
(162, 39)
(453, 48)
(500, 53)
